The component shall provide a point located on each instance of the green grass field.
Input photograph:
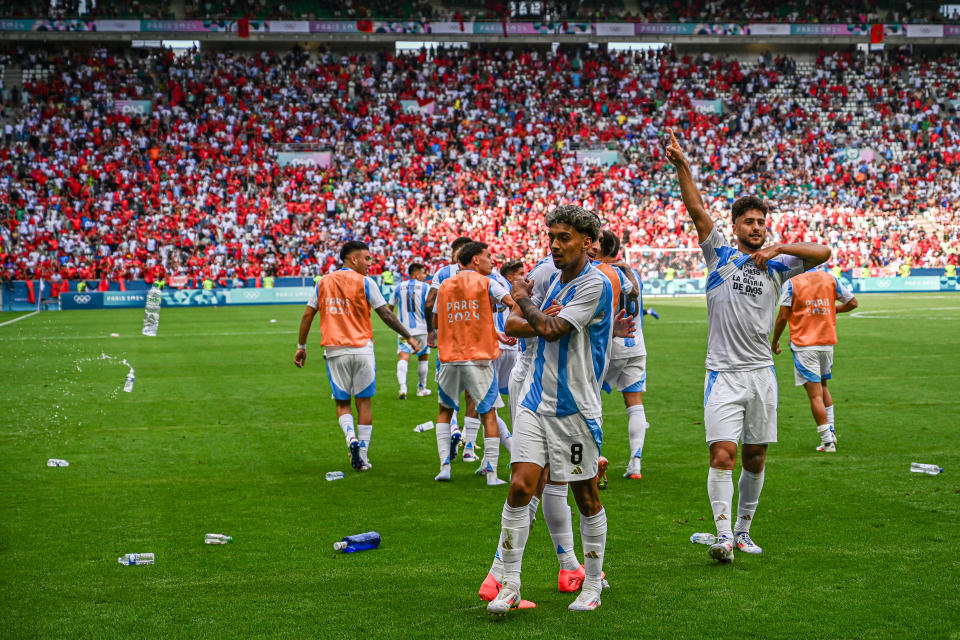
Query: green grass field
(223, 434)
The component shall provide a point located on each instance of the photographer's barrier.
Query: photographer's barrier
(186, 298)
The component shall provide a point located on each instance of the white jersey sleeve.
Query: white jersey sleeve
(313, 302)
(583, 307)
(844, 294)
(786, 298)
(497, 291)
(372, 291)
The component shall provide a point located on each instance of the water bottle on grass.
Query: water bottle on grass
(151, 314)
(136, 558)
(929, 469)
(359, 542)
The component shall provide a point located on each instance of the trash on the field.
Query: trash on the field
(114, 335)
(426, 426)
(929, 469)
(136, 558)
(334, 475)
(359, 542)
(128, 383)
(703, 538)
(57, 462)
(217, 538)
(604, 584)
(273, 321)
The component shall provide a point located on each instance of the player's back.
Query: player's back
(411, 300)
(343, 309)
(465, 322)
(635, 346)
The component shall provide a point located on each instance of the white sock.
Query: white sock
(749, 488)
(636, 429)
(515, 527)
(593, 534)
(453, 421)
(720, 492)
(497, 567)
(830, 415)
(491, 453)
(534, 505)
(556, 512)
(402, 372)
(826, 433)
(506, 438)
(346, 425)
(364, 432)
(443, 442)
(422, 370)
(471, 427)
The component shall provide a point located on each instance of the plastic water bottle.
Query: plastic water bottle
(425, 426)
(929, 469)
(333, 475)
(703, 538)
(151, 315)
(217, 538)
(359, 542)
(128, 383)
(57, 462)
(136, 558)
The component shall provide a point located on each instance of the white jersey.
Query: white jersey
(567, 373)
(410, 298)
(742, 301)
(540, 275)
(502, 312)
(448, 271)
(632, 347)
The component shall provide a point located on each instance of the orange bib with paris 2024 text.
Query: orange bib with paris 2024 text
(465, 326)
(813, 315)
(344, 310)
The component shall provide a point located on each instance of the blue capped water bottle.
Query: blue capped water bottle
(359, 542)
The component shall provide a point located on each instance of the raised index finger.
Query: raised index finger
(673, 138)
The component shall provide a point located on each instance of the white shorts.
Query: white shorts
(741, 406)
(513, 397)
(569, 444)
(476, 378)
(403, 347)
(812, 366)
(626, 374)
(352, 376)
(504, 365)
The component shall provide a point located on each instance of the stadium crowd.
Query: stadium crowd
(425, 148)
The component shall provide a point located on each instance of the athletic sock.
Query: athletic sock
(534, 505)
(593, 534)
(491, 453)
(471, 427)
(346, 425)
(636, 429)
(749, 488)
(402, 372)
(830, 415)
(720, 492)
(443, 442)
(556, 511)
(422, 368)
(497, 567)
(364, 432)
(506, 438)
(826, 433)
(515, 527)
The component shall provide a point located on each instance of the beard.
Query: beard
(748, 242)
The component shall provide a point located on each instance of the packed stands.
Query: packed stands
(862, 154)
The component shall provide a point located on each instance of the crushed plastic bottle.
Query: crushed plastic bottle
(929, 469)
(359, 542)
(128, 383)
(333, 475)
(703, 538)
(151, 314)
(136, 558)
(217, 538)
(425, 426)
(57, 462)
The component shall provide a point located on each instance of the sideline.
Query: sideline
(18, 318)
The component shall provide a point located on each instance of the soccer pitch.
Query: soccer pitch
(222, 434)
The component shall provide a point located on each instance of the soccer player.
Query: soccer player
(628, 360)
(809, 304)
(344, 300)
(559, 411)
(467, 341)
(740, 387)
(410, 299)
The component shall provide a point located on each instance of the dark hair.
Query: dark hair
(609, 244)
(748, 203)
(350, 247)
(584, 221)
(458, 243)
(416, 266)
(469, 251)
(510, 268)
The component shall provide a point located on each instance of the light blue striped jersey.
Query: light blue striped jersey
(540, 276)
(501, 312)
(443, 273)
(632, 347)
(410, 300)
(567, 373)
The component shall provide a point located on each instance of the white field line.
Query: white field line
(18, 318)
(198, 334)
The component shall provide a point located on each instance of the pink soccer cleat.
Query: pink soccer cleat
(490, 588)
